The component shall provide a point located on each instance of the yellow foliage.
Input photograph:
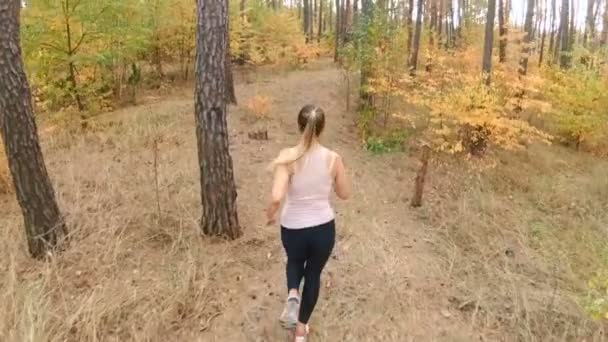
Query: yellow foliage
(259, 107)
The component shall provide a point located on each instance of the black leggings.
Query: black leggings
(307, 250)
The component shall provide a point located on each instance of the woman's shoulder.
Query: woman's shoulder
(331, 153)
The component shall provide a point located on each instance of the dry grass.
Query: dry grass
(521, 240)
(134, 272)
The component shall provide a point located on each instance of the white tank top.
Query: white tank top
(308, 195)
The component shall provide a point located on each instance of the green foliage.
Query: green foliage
(392, 142)
(579, 99)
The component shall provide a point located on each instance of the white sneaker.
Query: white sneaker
(289, 317)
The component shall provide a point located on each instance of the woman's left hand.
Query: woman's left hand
(271, 213)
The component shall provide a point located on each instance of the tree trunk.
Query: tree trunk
(543, 34)
(421, 177)
(338, 38)
(589, 23)
(604, 36)
(230, 93)
(44, 225)
(320, 33)
(502, 33)
(413, 58)
(433, 22)
(410, 22)
(488, 42)
(553, 21)
(525, 51)
(572, 28)
(365, 98)
(564, 60)
(306, 20)
(218, 189)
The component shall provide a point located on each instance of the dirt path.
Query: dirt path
(383, 283)
(134, 276)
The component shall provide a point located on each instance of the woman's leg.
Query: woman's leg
(296, 250)
(321, 241)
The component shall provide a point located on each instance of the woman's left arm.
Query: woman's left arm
(279, 189)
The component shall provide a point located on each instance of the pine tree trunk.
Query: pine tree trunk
(410, 22)
(365, 98)
(320, 33)
(44, 225)
(564, 60)
(589, 23)
(572, 28)
(413, 58)
(488, 42)
(543, 34)
(306, 20)
(502, 33)
(338, 38)
(604, 36)
(525, 51)
(553, 22)
(433, 22)
(218, 190)
(230, 92)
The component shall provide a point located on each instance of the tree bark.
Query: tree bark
(604, 36)
(421, 177)
(564, 60)
(488, 42)
(589, 23)
(230, 92)
(413, 58)
(502, 33)
(43, 222)
(218, 190)
(553, 22)
(543, 34)
(525, 51)
(307, 20)
(410, 22)
(320, 33)
(338, 38)
(572, 28)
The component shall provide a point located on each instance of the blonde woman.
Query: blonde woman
(304, 176)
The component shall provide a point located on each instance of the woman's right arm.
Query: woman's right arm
(341, 181)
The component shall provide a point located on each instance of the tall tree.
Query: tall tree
(307, 14)
(410, 22)
(365, 96)
(572, 28)
(502, 32)
(218, 190)
(415, 46)
(589, 22)
(338, 34)
(488, 41)
(525, 52)
(604, 36)
(44, 225)
(543, 34)
(553, 28)
(564, 60)
(320, 33)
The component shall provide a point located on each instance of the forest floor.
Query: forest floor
(137, 268)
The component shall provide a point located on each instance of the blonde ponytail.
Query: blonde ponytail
(314, 118)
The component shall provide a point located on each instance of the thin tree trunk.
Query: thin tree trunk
(338, 38)
(365, 98)
(564, 60)
(543, 34)
(43, 222)
(502, 33)
(306, 20)
(572, 26)
(218, 190)
(413, 58)
(320, 33)
(604, 36)
(230, 92)
(589, 23)
(410, 22)
(553, 22)
(488, 42)
(421, 177)
(433, 22)
(525, 51)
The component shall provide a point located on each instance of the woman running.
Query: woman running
(304, 175)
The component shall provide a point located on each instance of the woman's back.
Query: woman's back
(308, 194)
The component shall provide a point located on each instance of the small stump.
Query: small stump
(261, 134)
